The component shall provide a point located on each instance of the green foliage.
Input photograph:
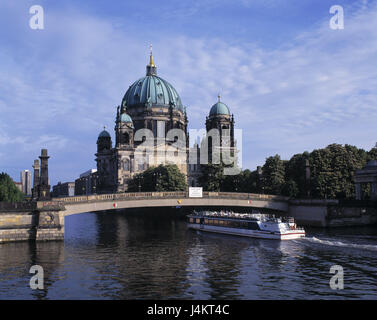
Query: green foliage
(212, 177)
(273, 175)
(332, 171)
(8, 190)
(290, 189)
(372, 154)
(161, 178)
(295, 176)
(246, 181)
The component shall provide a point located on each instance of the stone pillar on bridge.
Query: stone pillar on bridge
(358, 191)
(367, 175)
(373, 191)
(259, 179)
(44, 186)
(307, 178)
(32, 221)
(49, 222)
(35, 179)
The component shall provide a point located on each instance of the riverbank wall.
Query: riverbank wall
(27, 221)
(333, 213)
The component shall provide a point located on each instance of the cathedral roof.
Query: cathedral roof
(219, 108)
(152, 90)
(104, 134)
(124, 117)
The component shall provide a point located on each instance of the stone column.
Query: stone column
(307, 177)
(373, 191)
(50, 226)
(358, 191)
(44, 187)
(259, 181)
(35, 179)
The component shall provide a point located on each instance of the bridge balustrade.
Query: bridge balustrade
(156, 195)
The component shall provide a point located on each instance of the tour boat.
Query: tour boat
(254, 225)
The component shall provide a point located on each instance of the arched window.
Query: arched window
(126, 138)
(126, 165)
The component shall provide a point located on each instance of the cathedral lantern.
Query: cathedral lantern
(104, 141)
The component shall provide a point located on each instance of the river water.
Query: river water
(143, 255)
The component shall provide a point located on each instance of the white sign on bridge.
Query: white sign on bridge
(195, 192)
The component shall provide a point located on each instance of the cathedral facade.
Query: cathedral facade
(151, 129)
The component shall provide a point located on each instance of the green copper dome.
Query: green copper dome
(219, 108)
(104, 134)
(151, 91)
(124, 117)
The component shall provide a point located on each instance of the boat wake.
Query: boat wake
(342, 244)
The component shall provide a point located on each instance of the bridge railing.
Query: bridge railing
(162, 195)
(17, 206)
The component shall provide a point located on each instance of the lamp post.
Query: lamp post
(156, 175)
(139, 179)
(236, 182)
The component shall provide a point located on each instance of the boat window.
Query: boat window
(253, 226)
(191, 220)
(206, 221)
(234, 224)
(197, 220)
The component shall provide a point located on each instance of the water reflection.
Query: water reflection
(147, 255)
(152, 255)
(16, 261)
(221, 260)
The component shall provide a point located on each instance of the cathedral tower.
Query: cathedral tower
(220, 119)
(105, 163)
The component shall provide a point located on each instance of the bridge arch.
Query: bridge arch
(93, 203)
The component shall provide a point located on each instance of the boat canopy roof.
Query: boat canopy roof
(234, 215)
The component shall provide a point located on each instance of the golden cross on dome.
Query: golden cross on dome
(151, 57)
(218, 96)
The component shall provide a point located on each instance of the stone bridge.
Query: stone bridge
(92, 203)
(44, 220)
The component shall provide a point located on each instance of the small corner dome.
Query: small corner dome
(124, 117)
(104, 134)
(219, 108)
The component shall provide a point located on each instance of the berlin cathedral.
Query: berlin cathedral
(152, 103)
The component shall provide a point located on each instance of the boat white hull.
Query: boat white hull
(288, 235)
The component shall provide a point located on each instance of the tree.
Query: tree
(161, 178)
(333, 170)
(296, 184)
(246, 181)
(212, 177)
(8, 190)
(273, 175)
(372, 154)
(290, 188)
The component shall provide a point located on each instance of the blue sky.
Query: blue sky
(292, 82)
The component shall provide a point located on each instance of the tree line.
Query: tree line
(322, 173)
(8, 190)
